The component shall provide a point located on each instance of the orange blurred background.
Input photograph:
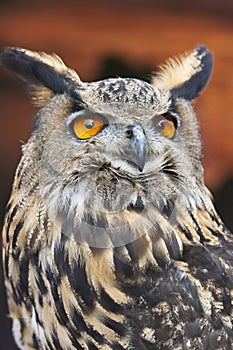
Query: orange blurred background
(117, 38)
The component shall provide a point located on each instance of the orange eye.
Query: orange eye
(166, 125)
(85, 127)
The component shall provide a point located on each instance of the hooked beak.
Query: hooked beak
(140, 146)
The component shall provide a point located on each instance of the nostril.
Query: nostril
(129, 131)
(129, 134)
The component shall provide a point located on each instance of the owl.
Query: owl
(111, 240)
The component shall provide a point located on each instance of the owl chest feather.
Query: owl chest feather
(141, 294)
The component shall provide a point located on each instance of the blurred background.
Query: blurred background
(106, 38)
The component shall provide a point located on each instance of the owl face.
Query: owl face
(119, 155)
(106, 152)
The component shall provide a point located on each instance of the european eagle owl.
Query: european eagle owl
(111, 240)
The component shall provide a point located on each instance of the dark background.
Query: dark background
(117, 38)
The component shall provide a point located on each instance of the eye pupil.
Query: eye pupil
(89, 124)
(161, 125)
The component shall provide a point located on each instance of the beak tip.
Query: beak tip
(141, 167)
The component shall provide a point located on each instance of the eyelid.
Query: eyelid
(172, 115)
(85, 113)
(75, 115)
(175, 116)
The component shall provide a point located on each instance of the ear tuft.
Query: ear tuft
(45, 74)
(186, 75)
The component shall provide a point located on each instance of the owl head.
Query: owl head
(105, 154)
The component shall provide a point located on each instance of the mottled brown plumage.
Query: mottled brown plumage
(111, 240)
